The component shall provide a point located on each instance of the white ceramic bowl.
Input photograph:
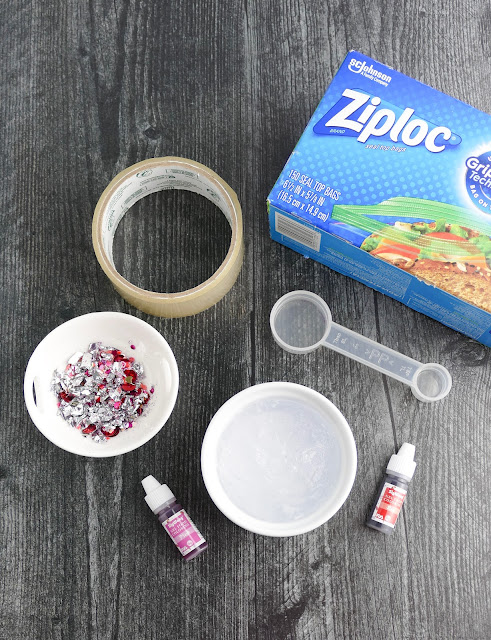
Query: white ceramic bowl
(278, 459)
(117, 330)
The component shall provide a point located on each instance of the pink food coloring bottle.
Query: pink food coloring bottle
(174, 519)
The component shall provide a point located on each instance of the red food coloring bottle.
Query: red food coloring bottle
(392, 492)
(174, 519)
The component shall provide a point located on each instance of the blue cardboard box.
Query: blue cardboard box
(390, 184)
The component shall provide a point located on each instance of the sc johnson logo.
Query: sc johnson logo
(360, 66)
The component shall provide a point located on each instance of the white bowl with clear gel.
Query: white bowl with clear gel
(278, 459)
(301, 322)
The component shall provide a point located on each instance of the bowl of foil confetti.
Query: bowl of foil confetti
(101, 384)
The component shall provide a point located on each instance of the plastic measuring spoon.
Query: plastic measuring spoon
(301, 322)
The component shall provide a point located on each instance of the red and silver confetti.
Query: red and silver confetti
(100, 391)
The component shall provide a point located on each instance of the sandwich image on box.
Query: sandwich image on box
(390, 184)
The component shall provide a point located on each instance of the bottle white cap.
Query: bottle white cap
(157, 494)
(402, 463)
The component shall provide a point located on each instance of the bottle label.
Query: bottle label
(183, 532)
(389, 504)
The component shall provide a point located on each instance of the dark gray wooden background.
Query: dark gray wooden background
(88, 88)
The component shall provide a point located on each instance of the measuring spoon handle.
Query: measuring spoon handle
(371, 353)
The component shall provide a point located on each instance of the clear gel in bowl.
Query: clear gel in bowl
(278, 460)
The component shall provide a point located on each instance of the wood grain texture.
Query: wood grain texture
(88, 88)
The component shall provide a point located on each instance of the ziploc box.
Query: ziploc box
(390, 184)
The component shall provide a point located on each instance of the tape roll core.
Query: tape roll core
(150, 176)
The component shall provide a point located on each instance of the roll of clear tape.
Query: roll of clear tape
(150, 176)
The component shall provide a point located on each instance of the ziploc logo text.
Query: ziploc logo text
(358, 114)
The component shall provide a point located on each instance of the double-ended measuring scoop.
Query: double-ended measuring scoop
(301, 322)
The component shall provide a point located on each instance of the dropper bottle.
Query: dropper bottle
(393, 490)
(174, 519)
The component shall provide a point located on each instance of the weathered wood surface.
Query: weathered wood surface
(88, 88)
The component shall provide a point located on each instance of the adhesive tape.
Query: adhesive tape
(158, 174)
